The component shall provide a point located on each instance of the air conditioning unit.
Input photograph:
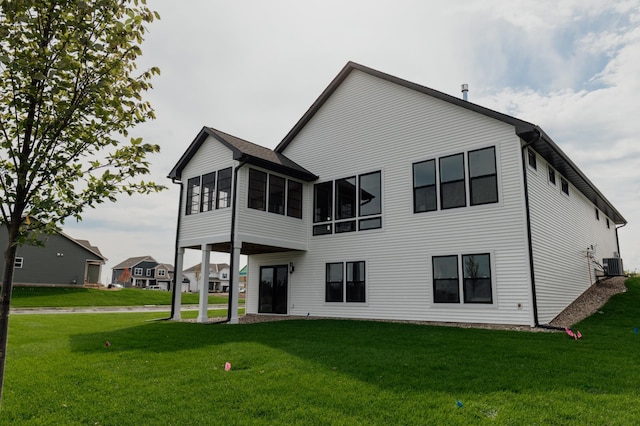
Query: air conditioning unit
(613, 266)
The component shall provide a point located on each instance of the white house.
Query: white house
(392, 200)
(218, 277)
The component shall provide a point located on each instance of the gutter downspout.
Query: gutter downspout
(526, 200)
(617, 240)
(175, 254)
(232, 265)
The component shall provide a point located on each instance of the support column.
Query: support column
(204, 284)
(235, 283)
(177, 274)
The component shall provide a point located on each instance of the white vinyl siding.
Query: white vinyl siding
(262, 227)
(209, 226)
(370, 124)
(562, 228)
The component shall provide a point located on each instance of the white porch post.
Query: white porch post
(177, 274)
(204, 284)
(235, 279)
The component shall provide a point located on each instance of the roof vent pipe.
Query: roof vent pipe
(465, 90)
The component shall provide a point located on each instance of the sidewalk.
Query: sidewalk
(108, 309)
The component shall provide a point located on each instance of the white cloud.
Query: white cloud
(252, 68)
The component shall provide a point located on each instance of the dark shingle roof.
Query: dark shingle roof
(132, 261)
(244, 151)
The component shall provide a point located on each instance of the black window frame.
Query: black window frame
(362, 191)
(564, 184)
(532, 160)
(468, 282)
(327, 187)
(277, 194)
(444, 185)
(330, 286)
(482, 178)
(445, 280)
(257, 190)
(608, 224)
(345, 202)
(355, 287)
(223, 186)
(193, 196)
(207, 192)
(425, 190)
(294, 199)
(328, 196)
(597, 214)
(552, 176)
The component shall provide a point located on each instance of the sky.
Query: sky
(252, 68)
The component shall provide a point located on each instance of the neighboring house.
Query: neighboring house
(218, 277)
(62, 261)
(144, 272)
(242, 279)
(392, 200)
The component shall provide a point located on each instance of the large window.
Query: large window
(193, 195)
(356, 199)
(223, 199)
(322, 207)
(424, 186)
(475, 270)
(445, 279)
(275, 194)
(335, 288)
(202, 195)
(355, 282)
(449, 175)
(477, 278)
(334, 282)
(257, 190)
(452, 187)
(208, 191)
(483, 181)
(294, 199)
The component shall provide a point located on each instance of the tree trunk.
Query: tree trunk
(5, 297)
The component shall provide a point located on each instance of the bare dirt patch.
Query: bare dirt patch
(590, 301)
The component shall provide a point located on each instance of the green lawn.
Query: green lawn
(37, 297)
(310, 372)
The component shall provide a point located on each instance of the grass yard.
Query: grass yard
(310, 372)
(38, 297)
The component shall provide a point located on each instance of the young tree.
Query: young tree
(125, 276)
(69, 92)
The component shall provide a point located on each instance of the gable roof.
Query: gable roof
(133, 261)
(243, 151)
(528, 132)
(213, 267)
(166, 266)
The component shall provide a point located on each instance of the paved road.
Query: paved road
(108, 309)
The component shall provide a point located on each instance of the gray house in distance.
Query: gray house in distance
(145, 272)
(63, 261)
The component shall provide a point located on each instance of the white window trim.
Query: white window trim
(137, 271)
(18, 263)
